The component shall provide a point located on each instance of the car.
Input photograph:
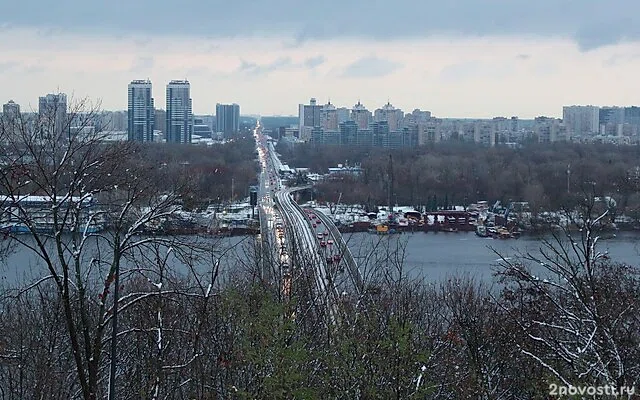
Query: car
(336, 257)
(319, 236)
(329, 242)
(323, 243)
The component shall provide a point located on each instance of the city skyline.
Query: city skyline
(469, 60)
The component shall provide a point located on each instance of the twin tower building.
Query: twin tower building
(178, 114)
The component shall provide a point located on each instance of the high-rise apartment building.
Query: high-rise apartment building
(581, 120)
(343, 114)
(11, 110)
(329, 117)
(390, 114)
(141, 113)
(550, 130)
(361, 116)
(179, 117)
(11, 119)
(227, 119)
(309, 116)
(52, 111)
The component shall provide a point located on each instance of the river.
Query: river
(432, 256)
(436, 256)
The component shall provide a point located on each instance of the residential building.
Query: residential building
(364, 137)
(611, 116)
(141, 112)
(179, 117)
(309, 117)
(11, 120)
(348, 133)
(361, 115)
(392, 115)
(11, 110)
(429, 132)
(484, 133)
(380, 131)
(52, 111)
(329, 117)
(632, 115)
(343, 114)
(421, 116)
(228, 119)
(550, 130)
(581, 120)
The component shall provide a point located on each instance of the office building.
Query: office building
(160, 121)
(179, 113)
(201, 129)
(228, 119)
(141, 113)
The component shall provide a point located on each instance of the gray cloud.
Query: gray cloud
(591, 23)
(252, 68)
(607, 31)
(370, 67)
(314, 62)
(620, 59)
(523, 57)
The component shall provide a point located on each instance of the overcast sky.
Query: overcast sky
(457, 58)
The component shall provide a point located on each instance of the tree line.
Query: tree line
(467, 173)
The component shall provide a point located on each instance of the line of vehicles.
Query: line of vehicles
(284, 254)
(287, 214)
(326, 244)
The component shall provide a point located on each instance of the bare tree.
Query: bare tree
(575, 308)
(81, 205)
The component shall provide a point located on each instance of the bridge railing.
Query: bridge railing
(347, 256)
(304, 220)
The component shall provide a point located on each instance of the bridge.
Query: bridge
(295, 241)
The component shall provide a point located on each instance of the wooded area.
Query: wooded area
(467, 173)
